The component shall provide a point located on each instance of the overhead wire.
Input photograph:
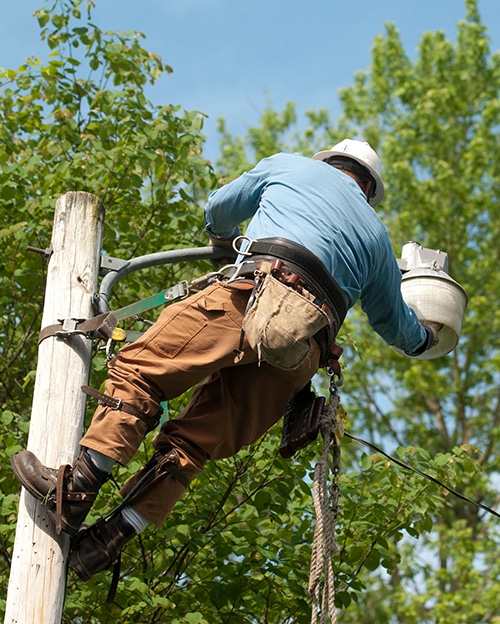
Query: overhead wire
(403, 464)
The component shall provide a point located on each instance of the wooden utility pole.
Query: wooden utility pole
(38, 572)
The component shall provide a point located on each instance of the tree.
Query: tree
(100, 134)
(237, 547)
(434, 122)
(61, 131)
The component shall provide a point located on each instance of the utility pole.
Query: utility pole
(37, 580)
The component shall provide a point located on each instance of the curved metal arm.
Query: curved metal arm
(149, 260)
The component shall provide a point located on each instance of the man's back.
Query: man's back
(314, 204)
(311, 203)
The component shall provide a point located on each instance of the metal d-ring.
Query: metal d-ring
(237, 249)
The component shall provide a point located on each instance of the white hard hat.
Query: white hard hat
(361, 152)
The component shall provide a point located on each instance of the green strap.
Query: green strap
(178, 291)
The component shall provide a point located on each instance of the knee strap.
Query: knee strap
(120, 405)
(157, 468)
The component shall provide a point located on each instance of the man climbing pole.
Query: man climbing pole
(251, 340)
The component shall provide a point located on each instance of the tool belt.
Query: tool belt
(312, 273)
(298, 268)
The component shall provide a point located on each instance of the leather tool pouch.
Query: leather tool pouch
(301, 422)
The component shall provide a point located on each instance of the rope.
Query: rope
(321, 577)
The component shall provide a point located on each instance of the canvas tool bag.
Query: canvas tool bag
(281, 322)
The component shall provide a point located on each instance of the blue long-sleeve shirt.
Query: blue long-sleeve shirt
(323, 209)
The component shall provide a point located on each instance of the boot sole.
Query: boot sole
(45, 499)
(17, 469)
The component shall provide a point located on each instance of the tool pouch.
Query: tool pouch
(301, 422)
(281, 322)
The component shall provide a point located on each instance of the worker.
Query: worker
(249, 341)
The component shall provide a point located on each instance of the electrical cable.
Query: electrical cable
(376, 448)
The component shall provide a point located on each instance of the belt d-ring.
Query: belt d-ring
(242, 238)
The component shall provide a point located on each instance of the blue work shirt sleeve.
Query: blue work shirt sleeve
(387, 313)
(235, 202)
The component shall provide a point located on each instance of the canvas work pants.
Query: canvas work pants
(192, 344)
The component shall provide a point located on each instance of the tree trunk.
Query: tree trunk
(38, 573)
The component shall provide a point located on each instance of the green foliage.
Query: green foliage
(233, 551)
(80, 121)
(434, 120)
(238, 546)
(98, 133)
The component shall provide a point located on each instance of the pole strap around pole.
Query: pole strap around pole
(102, 325)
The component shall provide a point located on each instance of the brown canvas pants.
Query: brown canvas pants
(192, 343)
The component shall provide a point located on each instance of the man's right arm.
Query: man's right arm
(387, 313)
(431, 340)
(233, 203)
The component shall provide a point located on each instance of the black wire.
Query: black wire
(374, 447)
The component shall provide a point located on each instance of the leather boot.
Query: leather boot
(68, 491)
(98, 547)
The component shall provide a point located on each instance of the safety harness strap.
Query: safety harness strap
(102, 325)
(120, 405)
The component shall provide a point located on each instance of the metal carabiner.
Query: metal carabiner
(336, 379)
(177, 291)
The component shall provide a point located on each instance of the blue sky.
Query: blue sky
(230, 58)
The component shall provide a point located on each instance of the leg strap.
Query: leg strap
(120, 405)
(155, 470)
(62, 475)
